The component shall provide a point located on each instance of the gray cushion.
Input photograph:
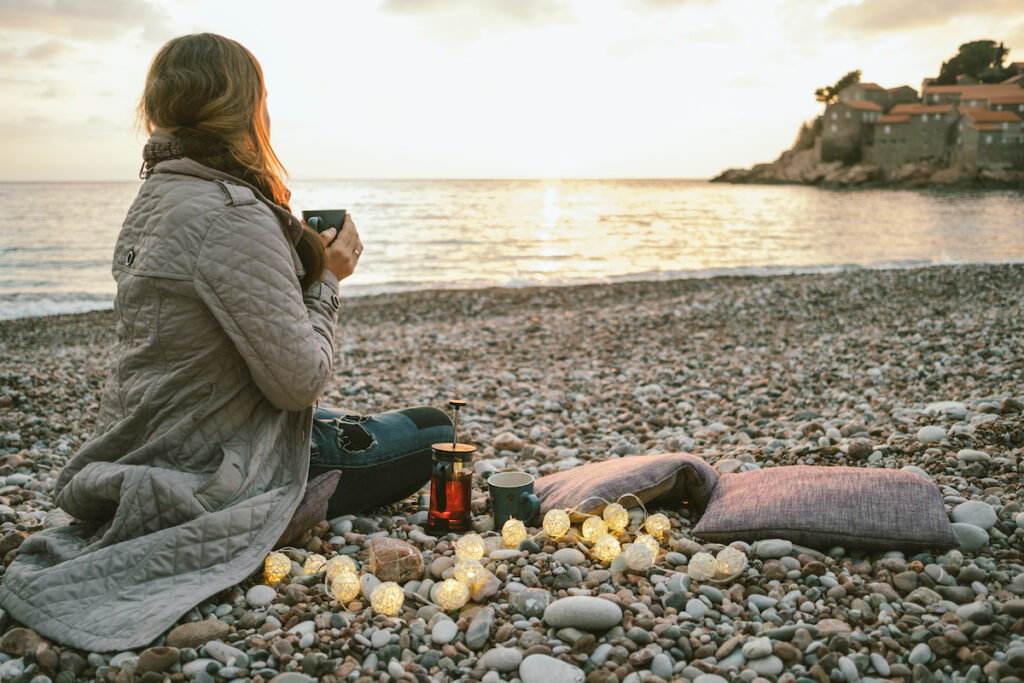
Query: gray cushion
(674, 477)
(820, 507)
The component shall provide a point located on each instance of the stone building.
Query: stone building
(968, 124)
(912, 133)
(991, 139)
(847, 128)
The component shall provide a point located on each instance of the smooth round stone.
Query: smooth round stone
(849, 670)
(583, 612)
(921, 654)
(661, 666)
(502, 659)
(709, 678)
(771, 548)
(880, 664)
(504, 554)
(379, 639)
(972, 538)
(978, 612)
(695, 608)
(756, 648)
(544, 669)
(570, 556)
(260, 595)
(294, 677)
(971, 455)
(306, 640)
(975, 512)
(766, 666)
(444, 631)
(931, 434)
(396, 669)
(532, 602)
(221, 651)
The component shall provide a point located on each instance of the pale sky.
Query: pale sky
(476, 88)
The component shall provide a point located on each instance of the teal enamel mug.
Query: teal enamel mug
(512, 496)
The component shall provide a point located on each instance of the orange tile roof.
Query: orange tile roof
(986, 116)
(1013, 79)
(871, 86)
(900, 87)
(889, 118)
(985, 126)
(974, 92)
(921, 109)
(1009, 99)
(862, 104)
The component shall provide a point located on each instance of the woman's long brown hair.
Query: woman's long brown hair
(208, 91)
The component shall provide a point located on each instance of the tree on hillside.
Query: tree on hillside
(982, 59)
(830, 93)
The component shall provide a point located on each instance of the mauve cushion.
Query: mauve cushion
(312, 507)
(674, 477)
(821, 507)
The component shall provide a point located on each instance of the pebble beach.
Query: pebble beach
(910, 368)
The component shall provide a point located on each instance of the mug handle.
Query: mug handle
(534, 506)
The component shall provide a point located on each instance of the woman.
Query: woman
(225, 314)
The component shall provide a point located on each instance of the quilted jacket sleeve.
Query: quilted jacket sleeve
(245, 274)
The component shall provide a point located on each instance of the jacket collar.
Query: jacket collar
(289, 223)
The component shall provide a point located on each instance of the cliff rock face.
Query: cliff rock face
(800, 166)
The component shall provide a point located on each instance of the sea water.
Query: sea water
(56, 239)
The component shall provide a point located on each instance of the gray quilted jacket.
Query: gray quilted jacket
(201, 450)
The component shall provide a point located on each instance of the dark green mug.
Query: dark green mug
(325, 219)
(512, 496)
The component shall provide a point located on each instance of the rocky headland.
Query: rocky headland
(801, 165)
(920, 369)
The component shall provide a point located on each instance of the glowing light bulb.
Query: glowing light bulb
(469, 547)
(513, 532)
(338, 564)
(345, 586)
(606, 548)
(387, 599)
(616, 516)
(556, 523)
(657, 524)
(469, 572)
(594, 528)
(451, 594)
(639, 557)
(276, 567)
(702, 567)
(730, 562)
(650, 542)
(314, 563)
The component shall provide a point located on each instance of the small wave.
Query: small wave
(24, 305)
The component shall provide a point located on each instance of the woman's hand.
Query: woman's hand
(343, 253)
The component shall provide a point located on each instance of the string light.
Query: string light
(451, 594)
(556, 523)
(345, 586)
(594, 528)
(606, 548)
(701, 567)
(276, 567)
(639, 556)
(338, 564)
(650, 542)
(469, 572)
(314, 563)
(657, 524)
(616, 516)
(469, 547)
(513, 532)
(387, 599)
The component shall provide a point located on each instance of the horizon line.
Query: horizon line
(384, 178)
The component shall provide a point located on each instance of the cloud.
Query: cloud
(47, 50)
(526, 12)
(899, 15)
(91, 20)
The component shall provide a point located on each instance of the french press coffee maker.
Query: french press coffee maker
(451, 481)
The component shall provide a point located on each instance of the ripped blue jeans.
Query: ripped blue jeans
(383, 458)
